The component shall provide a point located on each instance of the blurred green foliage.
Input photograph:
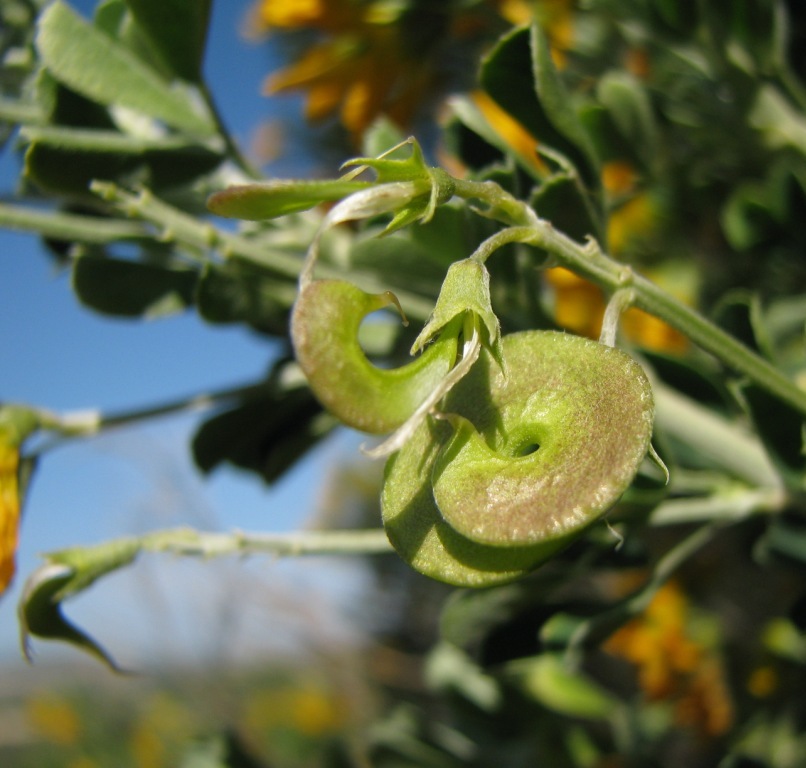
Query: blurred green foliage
(672, 132)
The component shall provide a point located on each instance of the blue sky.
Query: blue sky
(58, 355)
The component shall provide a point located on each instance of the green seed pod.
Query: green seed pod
(324, 330)
(522, 463)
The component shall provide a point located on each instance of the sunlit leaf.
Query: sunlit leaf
(100, 68)
(549, 680)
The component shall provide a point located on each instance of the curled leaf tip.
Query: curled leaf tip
(324, 329)
(392, 299)
(41, 616)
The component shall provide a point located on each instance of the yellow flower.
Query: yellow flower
(673, 665)
(523, 143)
(329, 15)
(16, 423)
(306, 709)
(360, 66)
(515, 11)
(578, 305)
(364, 62)
(9, 509)
(54, 718)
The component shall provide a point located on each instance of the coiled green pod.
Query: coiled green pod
(522, 462)
(324, 329)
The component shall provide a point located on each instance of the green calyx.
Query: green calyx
(522, 463)
(438, 186)
(417, 191)
(466, 289)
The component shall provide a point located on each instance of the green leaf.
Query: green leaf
(561, 200)
(279, 198)
(740, 313)
(132, 289)
(64, 161)
(471, 117)
(786, 538)
(506, 75)
(95, 65)
(67, 173)
(520, 76)
(783, 431)
(780, 122)
(630, 108)
(557, 102)
(178, 30)
(469, 617)
(448, 668)
(65, 574)
(549, 680)
(264, 433)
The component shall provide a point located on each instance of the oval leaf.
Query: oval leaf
(97, 66)
(132, 289)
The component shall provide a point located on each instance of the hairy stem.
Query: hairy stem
(91, 422)
(590, 262)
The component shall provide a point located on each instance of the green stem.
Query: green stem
(198, 543)
(86, 140)
(69, 226)
(729, 506)
(203, 237)
(91, 422)
(590, 262)
(20, 112)
(721, 442)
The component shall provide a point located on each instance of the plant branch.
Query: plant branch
(183, 541)
(70, 226)
(178, 226)
(91, 422)
(590, 262)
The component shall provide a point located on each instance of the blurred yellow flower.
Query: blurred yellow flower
(305, 708)
(763, 681)
(374, 58)
(54, 718)
(359, 67)
(316, 14)
(632, 220)
(523, 143)
(579, 305)
(673, 665)
(16, 424)
(164, 726)
(9, 508)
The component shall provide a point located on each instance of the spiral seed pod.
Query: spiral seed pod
(324, 329)
(522, 463)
